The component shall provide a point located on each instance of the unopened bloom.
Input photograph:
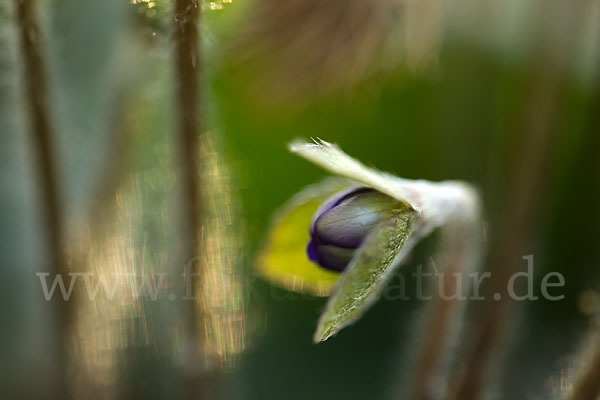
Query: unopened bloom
(342, 223)
(365, 231)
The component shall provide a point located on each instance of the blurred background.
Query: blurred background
(131, 146)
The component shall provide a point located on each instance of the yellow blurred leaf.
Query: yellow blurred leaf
(283, 260)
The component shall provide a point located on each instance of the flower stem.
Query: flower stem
(188, 112)
(41, 133)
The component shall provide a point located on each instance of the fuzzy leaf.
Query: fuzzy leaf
(367, 273)
(436, 202)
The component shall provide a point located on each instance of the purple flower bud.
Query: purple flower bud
(343, 222)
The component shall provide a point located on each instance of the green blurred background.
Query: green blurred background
(482, 91)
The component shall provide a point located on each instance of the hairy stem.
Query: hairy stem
(188, 111)
(441, 328)
(586, 383)
(41, 133)
(509, 244)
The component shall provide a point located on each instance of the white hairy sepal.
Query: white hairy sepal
(453, 204)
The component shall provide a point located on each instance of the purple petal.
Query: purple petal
(311, 249)
(334, 201)
(329, 257)
(347, 221)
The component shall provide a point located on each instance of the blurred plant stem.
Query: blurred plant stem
(527, 186)
(461, 248)
(586, 383)
(188, 113)
(41, 139)
(520, 206)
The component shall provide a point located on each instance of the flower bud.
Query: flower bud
(343, 222)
